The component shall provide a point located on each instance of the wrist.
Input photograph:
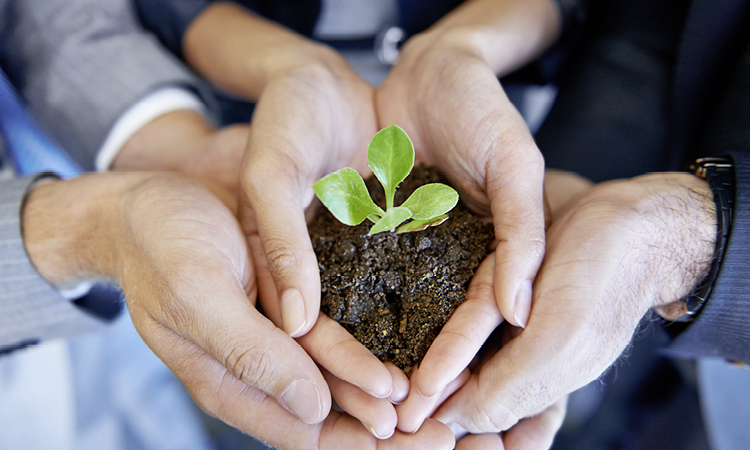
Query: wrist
(504, 35)
(166, 143)
(70, 227)
(680, 234)
(243, 52)
(720, 178)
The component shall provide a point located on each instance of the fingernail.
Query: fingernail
(379, 395)
(426, 396)
(522, 308)
(372, 431)
(303, 400)
(398, 396)
(293, 312)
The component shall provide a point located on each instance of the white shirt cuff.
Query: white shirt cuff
(159, 102)
(78, 291)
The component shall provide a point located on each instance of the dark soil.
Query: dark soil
(394, 292)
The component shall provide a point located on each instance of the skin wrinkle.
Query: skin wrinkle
(251, 364)
(204, 402)
(281, 261)
(341, 355)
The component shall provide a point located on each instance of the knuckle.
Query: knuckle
(281, 259)
(175, 314)
(254, 365)
(493, 417)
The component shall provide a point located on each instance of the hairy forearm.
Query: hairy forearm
(69, 227)
(665, 229)
(680, 222)
(241, 52)
(506, 34)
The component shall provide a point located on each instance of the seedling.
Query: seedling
(390, 155)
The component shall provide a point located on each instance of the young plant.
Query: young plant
(391, 158)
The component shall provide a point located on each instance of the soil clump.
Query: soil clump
(394, 292)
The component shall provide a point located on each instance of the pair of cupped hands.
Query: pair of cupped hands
(195, 257)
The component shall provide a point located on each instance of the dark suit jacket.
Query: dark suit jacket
(649, 87)
(170, 18)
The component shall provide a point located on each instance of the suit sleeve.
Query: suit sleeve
(31, 310)
(722, 328)
(170, 19)
(81, 64)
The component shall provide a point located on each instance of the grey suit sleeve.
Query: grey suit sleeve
(81, 63)
(30, 308)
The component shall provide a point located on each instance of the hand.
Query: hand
(622, 248)
(308, 123)
(451, 104)
(471, 326)
(533, 433)
(313, 115)
(181, 259)
(444, 92)
(182, 141)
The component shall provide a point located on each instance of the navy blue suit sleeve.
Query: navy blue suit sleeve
(723, 327)
(170, 19)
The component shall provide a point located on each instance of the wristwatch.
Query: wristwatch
(719, 172)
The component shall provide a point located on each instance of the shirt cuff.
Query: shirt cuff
(77, 291)
(142, 112)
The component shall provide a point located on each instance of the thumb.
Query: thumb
(272, 215)
(517, 204)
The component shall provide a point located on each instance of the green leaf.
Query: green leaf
(344, 194)
(391, 158)
(419, 225)
(431, 200)
(392, 218)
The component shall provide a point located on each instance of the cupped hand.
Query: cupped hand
(183, 264)
(189, 284)
(452, 105)
(469, 329)
(309, 122)
(620, 249)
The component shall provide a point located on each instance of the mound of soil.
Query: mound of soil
(394, 292)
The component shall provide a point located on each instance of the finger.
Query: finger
(562, 348)
(416, 408)
(218, 392)
(331, 346)
(276, 188)
(450, 389)
(218, 317)
(537, 432)
(487, 441)
(463, 335)
(400, 384)
(376, 414)
(283, 246)
(250, 410)
(432, 435)
(515, 189)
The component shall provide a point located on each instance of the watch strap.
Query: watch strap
(719, 172)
